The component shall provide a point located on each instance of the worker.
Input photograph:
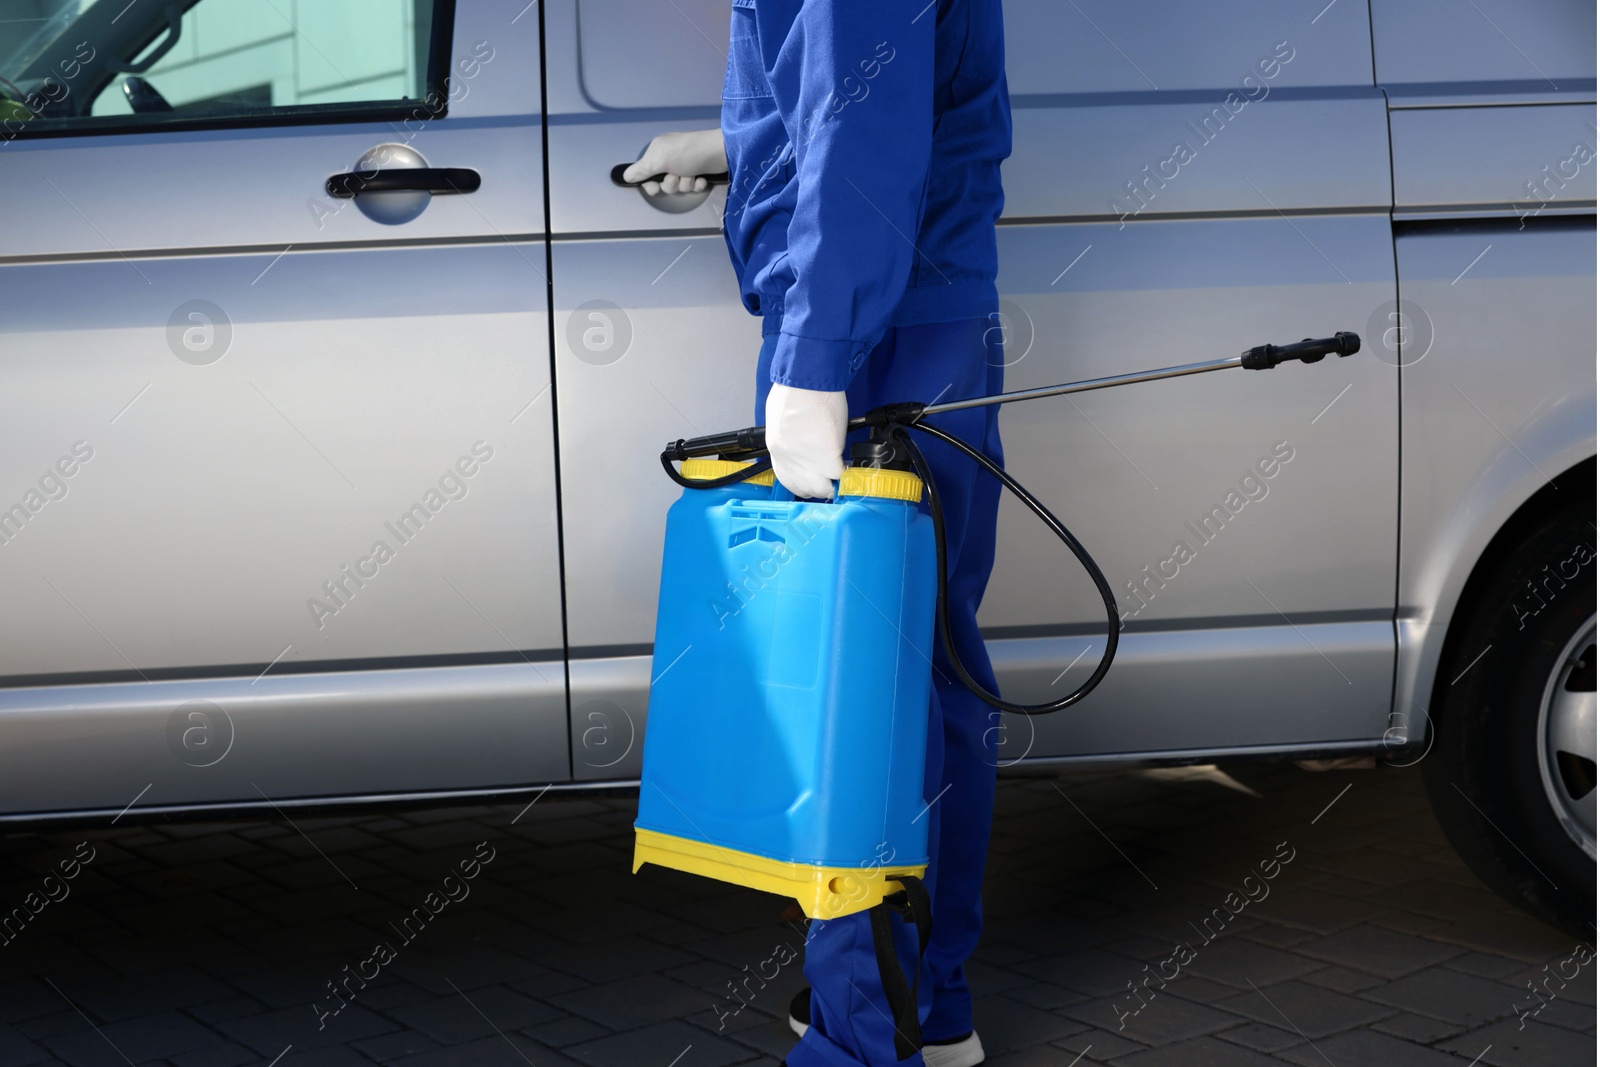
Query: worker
(863, 143)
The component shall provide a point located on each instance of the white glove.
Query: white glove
(682, 157)
(805, 436)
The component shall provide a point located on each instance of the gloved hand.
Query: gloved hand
(805, 436)
(682, 157)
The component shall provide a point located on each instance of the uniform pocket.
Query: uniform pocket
(747, 74)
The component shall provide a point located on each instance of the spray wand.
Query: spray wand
(893, 423)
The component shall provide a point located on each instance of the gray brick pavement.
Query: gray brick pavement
(208, 944)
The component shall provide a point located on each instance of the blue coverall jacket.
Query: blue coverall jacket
(864, 139)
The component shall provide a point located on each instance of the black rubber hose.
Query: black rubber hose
(1113, 623)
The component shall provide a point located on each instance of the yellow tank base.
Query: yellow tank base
(822, 892)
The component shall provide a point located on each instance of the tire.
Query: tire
(1512, 773)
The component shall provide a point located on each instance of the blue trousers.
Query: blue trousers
(850, 1017)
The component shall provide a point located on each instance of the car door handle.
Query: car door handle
(436, 180)
(617, 180)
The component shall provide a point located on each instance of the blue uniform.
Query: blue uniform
(864, 142)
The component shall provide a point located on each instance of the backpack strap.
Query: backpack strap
(913, 906)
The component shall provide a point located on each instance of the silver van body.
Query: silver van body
(256, 385)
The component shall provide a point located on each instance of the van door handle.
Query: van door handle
(436, 180)
(616, 177)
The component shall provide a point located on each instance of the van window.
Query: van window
(112, 65)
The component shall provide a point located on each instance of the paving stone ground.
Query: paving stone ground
(224, 944)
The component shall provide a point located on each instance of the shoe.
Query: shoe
(954, 1052)
(964, 1051)
(800, 1012)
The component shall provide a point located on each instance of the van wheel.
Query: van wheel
(1512, 772)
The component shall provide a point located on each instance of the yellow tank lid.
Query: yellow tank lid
(704, 470)
(880, 482)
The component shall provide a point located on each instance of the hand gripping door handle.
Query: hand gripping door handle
(436, 180)
(616, 177)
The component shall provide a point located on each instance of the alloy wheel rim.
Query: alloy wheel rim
(1567, 738)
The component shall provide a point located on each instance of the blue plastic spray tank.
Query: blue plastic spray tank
(789, 712)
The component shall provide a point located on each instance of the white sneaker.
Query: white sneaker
(964, 1052)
